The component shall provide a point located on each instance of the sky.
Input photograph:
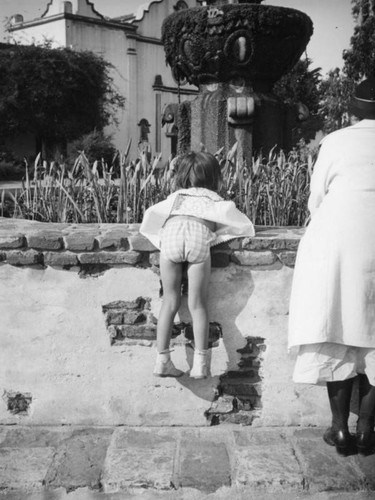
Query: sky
(332, 19)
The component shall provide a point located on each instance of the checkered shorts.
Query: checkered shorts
(185, 240)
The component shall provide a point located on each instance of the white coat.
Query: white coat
(202, 203)
(333, 291)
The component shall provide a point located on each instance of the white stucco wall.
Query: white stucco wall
(55, 345)
(36, 34)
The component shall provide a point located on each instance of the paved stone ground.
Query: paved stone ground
(222, 462)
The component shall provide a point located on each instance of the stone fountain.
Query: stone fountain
(234, 52)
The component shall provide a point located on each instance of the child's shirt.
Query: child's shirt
(201, 203)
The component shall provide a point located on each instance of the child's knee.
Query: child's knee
(172, 302)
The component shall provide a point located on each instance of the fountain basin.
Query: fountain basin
(245, 44)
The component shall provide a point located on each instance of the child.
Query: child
(184, 227)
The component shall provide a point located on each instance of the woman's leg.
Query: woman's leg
(339, 394)
(366, 415)
(170, 274)
(199, 277)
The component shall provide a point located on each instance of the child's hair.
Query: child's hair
(198, 169)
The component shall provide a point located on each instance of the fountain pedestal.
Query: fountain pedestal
(235, 53)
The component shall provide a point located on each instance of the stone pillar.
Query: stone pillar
(132, 100)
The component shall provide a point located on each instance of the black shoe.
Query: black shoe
(365, 442)
(342, 439)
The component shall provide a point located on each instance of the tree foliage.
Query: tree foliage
(55, 94)
(337, 88)
(336, 91)
(360, 58)
(301, 84)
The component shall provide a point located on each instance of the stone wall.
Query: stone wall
(79, 307)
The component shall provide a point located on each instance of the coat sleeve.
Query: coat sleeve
(154, 219)
(233, 224)
(320, 177)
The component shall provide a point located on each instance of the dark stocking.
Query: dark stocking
(366, 405)
(339, 394)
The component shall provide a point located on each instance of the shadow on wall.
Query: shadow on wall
(238, 388)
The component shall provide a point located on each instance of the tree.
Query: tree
(336, 91)
(55, 94)
(301, 84)
(360, 58)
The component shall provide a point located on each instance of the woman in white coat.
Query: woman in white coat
(332, 306)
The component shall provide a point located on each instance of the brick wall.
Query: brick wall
(25, 243)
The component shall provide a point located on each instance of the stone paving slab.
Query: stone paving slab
(323, 468)
(219, 463)
(26, 467)
(139, 458)
(79, 460)
(265, 459)
(203, 465)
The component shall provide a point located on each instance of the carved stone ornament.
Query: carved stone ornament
(222, 43)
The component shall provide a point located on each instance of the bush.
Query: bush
(11, 168)
(96, 146)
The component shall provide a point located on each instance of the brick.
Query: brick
(220, 259)
(133, 317)
(292, 244)
(114, 318)
(241, 388)
(114, 258)
(249, 258)
(138, 303)
(12, 241)
(224, 404)
(155, 259)
(147, 332)
(259, 243)
(80, 241)
(60, 259)
(23, 258)
(45, 240)
(113, 238)
(141, 244)
(287, 257)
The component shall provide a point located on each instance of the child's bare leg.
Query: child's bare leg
(170, 274)
(199, 277)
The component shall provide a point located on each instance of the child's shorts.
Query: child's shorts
(186, 240)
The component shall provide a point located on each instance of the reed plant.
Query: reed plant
(271, 190)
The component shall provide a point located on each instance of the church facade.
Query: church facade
(132, 44)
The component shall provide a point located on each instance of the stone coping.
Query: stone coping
(25, 243)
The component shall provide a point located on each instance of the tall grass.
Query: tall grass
(271, 190)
